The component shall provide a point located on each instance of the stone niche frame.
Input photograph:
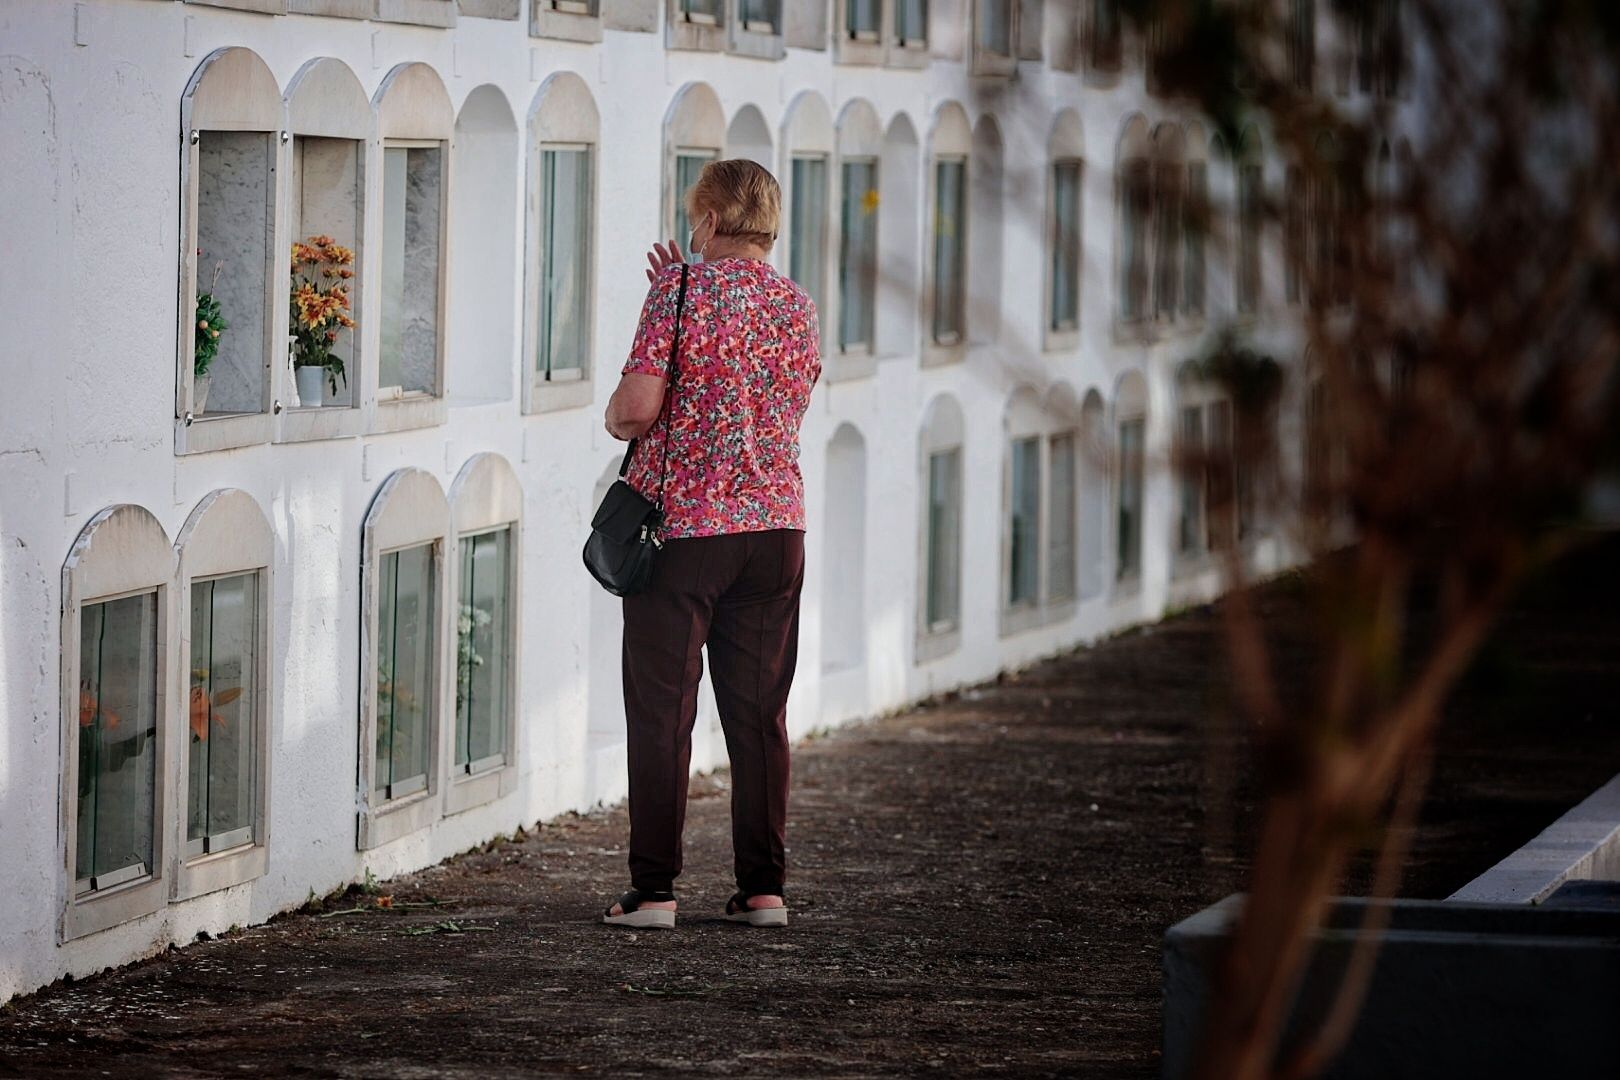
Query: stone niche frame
(325, 100)
(562, 116)
(227, 534)
(122, 551)
(1065, 145)
(943, 429)
(859, 138)
(413, 110)
(808, 132)
(695, 122)
(566, 20)
(410, 509)
(950, 140)
(487, 496)
(232, 90)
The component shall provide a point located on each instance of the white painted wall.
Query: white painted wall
(89, 108)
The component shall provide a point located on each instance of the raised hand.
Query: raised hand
(661, 256)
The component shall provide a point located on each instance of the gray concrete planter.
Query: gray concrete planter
(1460, 990)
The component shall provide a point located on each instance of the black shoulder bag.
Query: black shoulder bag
(624, 533)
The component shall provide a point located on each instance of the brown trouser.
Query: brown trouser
(739, 595)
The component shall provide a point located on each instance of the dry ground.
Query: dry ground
(978, 886)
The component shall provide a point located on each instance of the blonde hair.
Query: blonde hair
(745, 198)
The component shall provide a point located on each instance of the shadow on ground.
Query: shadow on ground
(977, 887)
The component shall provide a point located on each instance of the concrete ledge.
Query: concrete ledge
(1459, 990)
(1583, 845)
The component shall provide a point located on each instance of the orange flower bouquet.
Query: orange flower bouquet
(321, 270)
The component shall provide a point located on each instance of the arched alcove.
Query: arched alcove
(1093, 499)
(482, 273)
(1130, 473)
(1061, 567)
(694, 135)
(945, 206)
(119, 661)
(559, 304)
(1065, 214)
(405, 544)
(1196, 230)
(1169, 183)
(332, 124)
(225, 551)
(985, 238)
(486, 511)
(1023, 427)
(899, 242)
(1133, 201)
(808, 142)
(859, 213)
(748, 136)
(941, 462)
(843, 576)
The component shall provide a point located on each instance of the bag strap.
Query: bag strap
(674, 355)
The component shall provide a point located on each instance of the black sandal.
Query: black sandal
(650, 918)
(737, 910)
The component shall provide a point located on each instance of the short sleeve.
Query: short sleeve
(649, 352)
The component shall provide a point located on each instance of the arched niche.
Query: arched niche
(858, 209)
(808, 142)
(1130, 473)
(560, 245)
(118, 671)
(749, 137)
(226, 552)
(942, 464)
(1064, 217)
(231, 236)
(694, 134)
(1169, 193)
(899, 239)
(985, 238)
(1133, 200)
(945, 287)
(1067, 137)
(483, 281)
(1093, 500)
(1023, 472)
(843, 616)
(404, 651)
(331, 124)
(416, 122)
(486, 513)
(1064, 466)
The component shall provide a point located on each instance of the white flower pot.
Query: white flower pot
(199, 394)
(309, 385)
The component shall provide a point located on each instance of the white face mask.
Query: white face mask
(693, 255)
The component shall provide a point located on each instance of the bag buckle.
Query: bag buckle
(647, 534)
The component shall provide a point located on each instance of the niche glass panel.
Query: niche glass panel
(1192, 299)
(862, 19)
(1066, 245)
(328, 184)
(1249, 209)
(949, 251)
(405, 683)
(1024, 528)
(235, 192)
(413, 204)
(117, 742)
(1192, 480)
(995, 30)
(807, 246)
(483, 630)
(564, 262)
(222, 736)
(1061, 547)
(1133, 240)
(911, 22)
(1128, 536)
(688, 166)
(857, 255)
(758, 16)
(1167, 241)
(944, 539)
(702, 11)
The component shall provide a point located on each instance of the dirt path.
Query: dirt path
(977, 887)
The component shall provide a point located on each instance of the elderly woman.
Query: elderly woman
(725, 406)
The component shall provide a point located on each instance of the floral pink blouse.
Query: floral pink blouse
(749, 357)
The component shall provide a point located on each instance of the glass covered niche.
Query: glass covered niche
(1025, 525)
(863, 19)
(1128, 536)
(328, 187)
(223, 727)
(235, 210)
(807, 245)
(483, 634)
(950, 212)
(405, 676)
(412, 269)
(1065, 304)
(944, 565)
(858, 255)
(1061, 547)
(688, 167)
(565, 262)
(117, 738)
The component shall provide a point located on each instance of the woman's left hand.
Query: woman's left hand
(660, 257)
